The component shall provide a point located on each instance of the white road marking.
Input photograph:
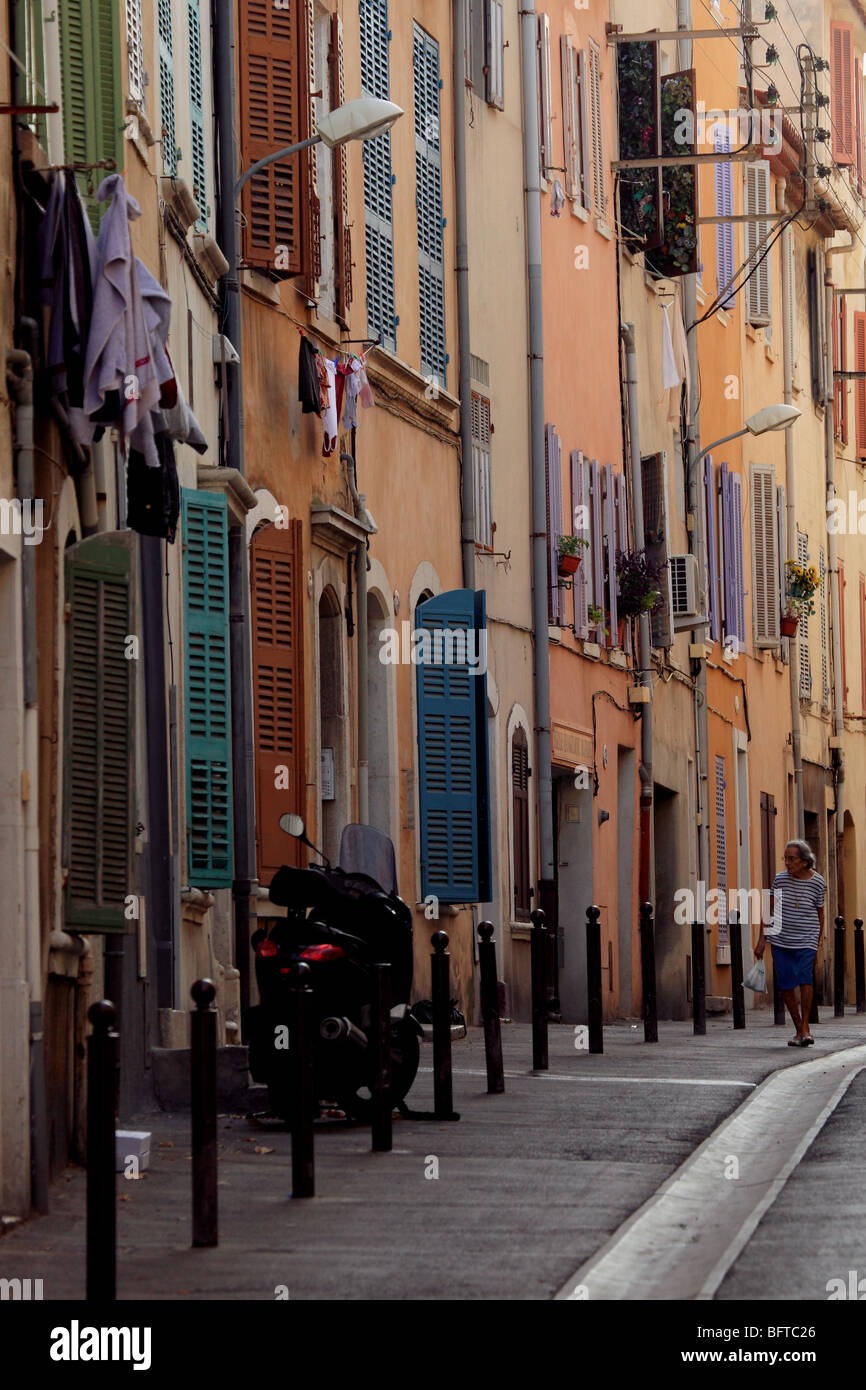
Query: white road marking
(602, 1080)
(678, 1245)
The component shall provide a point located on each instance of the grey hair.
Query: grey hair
(804, 852)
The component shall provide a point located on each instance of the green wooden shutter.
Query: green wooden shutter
(92, 90)
(166, 88)
(98, 737)
(196, 107)
(207, 694)
(453, 774)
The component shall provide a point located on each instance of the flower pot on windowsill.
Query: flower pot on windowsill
(568, 564)
(788, 624)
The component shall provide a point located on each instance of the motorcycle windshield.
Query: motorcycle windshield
(364, 850)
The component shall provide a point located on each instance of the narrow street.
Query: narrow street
(531, 1184)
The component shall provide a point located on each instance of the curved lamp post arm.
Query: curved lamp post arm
(715, 444)
(272, 158)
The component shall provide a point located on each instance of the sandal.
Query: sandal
(796, 1041)
(808, 1041)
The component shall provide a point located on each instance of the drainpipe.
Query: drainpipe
(19, 376)
(791, 511)
(837, 759)
(645, 770)
(467, 488)
(243, 756)
(359, 502)
(540, 580)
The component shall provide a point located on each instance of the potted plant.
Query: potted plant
(569, 548)
(638, 583)
(801, 584)
(594, 615)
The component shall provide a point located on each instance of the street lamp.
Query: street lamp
(361, 119)
(772, 417)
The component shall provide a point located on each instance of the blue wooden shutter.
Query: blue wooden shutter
(712, 569)
(378, 179)
(98, 738)
(595, 515)
(196, 108)
(579, 499)
(207, 693)
(166, 88)
(453, 776)
(428, 205)
(724, 179)
(610, 548)
(553, 475)
(737, 560)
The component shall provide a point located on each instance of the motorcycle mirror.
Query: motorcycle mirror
(292, 825)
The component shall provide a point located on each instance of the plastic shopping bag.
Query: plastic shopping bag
(756, 978)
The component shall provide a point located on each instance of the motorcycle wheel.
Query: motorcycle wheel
(405, 1060)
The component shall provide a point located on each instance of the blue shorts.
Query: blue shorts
(792, 968)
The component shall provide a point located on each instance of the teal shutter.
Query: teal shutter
(166, 89)
(92, 95)
(378, 179)
(196, 107)
(453, 775)
(428, 204)
(99, 732)
(204, 520)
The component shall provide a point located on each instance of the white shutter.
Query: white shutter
(544, 93)
(758, 309)
(481, 469)
(570, 117)
(134, 51)
(803, 628)
(765, 561)
(822, 596)
(789, 318)
(595, 114)
(496, 53)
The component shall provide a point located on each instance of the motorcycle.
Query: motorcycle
(340, 922)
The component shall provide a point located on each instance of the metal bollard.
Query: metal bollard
(538, 973)
(699, 998)
(203, 1106)
(381, 1083)
(440, 967)
(101, 1198)
(593, 979)
(490, 1009)
(839, 968)
(859, 966)
(738, 999)
(303, 1090)
(648, 973)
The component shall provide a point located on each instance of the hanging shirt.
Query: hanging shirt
(329, 418)
(353, 386)
(557, 199)
(308, 379)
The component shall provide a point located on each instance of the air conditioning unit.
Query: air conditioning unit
(683, 570)
(176, 193)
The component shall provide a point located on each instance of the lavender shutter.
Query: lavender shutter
(726, 552)
(724, 180)
(597, 557)
(610, 547)
(622, 536)
(737, 559)
(553, 460)
(712, 570)
(579, 528)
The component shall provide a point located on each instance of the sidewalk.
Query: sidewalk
(530, 1183)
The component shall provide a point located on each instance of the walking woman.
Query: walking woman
(795, 933)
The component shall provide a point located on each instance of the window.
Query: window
(842, 111)
(428, 204)
(766, 599)
(757, 180)
(520, 819)
(860, 383)
(599, 198)
(481, 433)
(815, 279)
(724, 183)
(731, 557)
(711, 577)
(378, 180)
(575, 133)
(494, 90)
(841, 593)
(453, 773)
(166, 88)
(840, 362)
(98, 750)
(553, 483)
(655, 526)
(207, 689)
(545, 96)
(862, 598)
(342, 240)
(279, 204)
(278, 690)
(196, 109)
(580, 526)
(92, 100)
(822, 611)
(803, 628)
(29, 84)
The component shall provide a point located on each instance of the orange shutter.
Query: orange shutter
(342, 235)
(275, 111)
(277, 634)
(842, 634)
(860, 181)
(860, 383)
(842, 91)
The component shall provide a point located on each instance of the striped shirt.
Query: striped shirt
(795, 910)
